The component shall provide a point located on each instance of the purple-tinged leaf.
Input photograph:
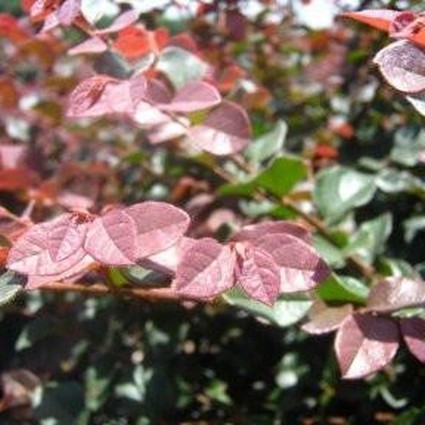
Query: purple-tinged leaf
(166, 131)
(157, 92)
(148, 116)
(403, 66)
(395, 293)
(377, 18)
(123, 21)
(413, 331)
(91, 45)
(111, 239)
(205, 271)
(86, 94)
(195, 96)
(68, 11)
(75, 271)
(254, 232)
(324, 319)
(226, 130)
(258, 274)
(31, 253)
(159, 225)
(400, 23)
(301, 267)
(65, 237)
(365, 344)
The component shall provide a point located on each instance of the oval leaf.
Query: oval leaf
(205, 271)
(403, 66)
(413, 331)
(226, 130)
(365, 344)
(396, 293)
(258, 275)
(377, 18)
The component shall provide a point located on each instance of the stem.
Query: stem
(99, 289)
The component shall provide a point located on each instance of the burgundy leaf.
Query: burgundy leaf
(205, 271)
(111, 239)
(91, 45)
(377, 18)
(395, 293)
(301, 267)
(258, 274)
(123, 21)
(403, 66)
(254, 232)
(159, 225)
(324, 319)
(365, 344)
(226, 130)
(31, 253)
(86, 94)
(68, 11)
(195, 96)
(413, 331)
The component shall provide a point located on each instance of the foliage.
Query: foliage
(182, 184)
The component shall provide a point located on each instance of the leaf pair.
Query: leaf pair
(67, 245)
(264, 260)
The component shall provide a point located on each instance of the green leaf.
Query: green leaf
(409, 142)
(282, 175)
(342, 289)
(340, 189)
(97, 380)
(286, 311)
(412, 226)
(369, 240)
(10, 287)
(267, 145)
(331, 253)
(180, 66)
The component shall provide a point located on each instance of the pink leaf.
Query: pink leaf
(365, 344)
(91, 45)
(86, 94)
(111, 239)
(157, 92)
(324, 319)
(226, 130)
(194, 96)
(205, 271)
(32, 252)
(395, 293)
(254, 232)
(413, 331)
(123, 236)
(165, 132)
(301, 267)
(11, 156)
(159, 225)
(123, 21)
(402, 65)
(258, 274)
(68, 11)
(379, 18)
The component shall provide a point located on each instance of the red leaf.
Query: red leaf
(395, 293)
(9, 28)
(258, 274)
(205, 271)
(40, 9)
(402, 65)
(121, 237)
(16, 179)
(123, 21)
(413, 331)
(226, 130)
(254, 232)
(365, 344)
(195, 96)
(379, 18)
(91, 45)
(86, 94)
(324, 319)
(32, 252)
(409, 28)
(301, 267)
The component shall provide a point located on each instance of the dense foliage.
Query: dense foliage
(194, 196)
